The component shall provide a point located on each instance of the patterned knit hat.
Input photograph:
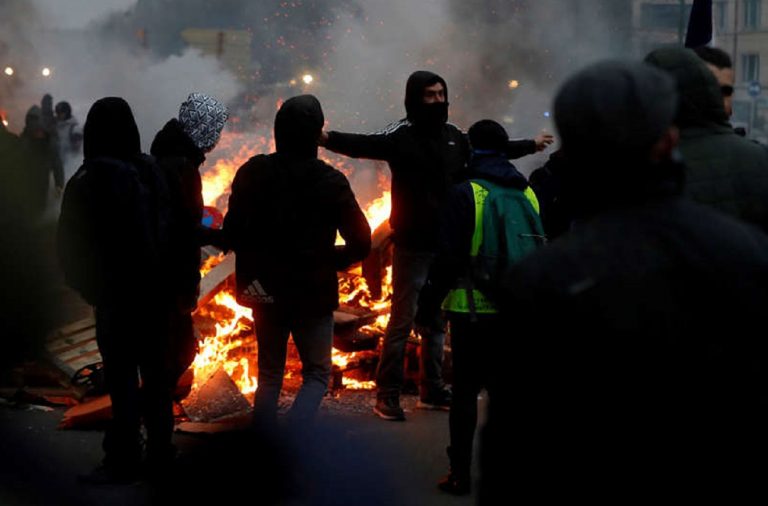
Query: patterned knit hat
(202, 118)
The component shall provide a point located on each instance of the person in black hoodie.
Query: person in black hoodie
(284, 212)
(630, 361)
(475, 326)
(426, 156)
(180, 149)
(111, 247)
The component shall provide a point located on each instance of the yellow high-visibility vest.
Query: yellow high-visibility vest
(457, 300)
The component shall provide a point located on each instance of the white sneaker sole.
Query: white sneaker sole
(434, 407)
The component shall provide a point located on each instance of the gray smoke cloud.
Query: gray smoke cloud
(479, 47)
(360, 53)
(87, 63)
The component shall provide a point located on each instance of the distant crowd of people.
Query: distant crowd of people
(608, 305)
(51, 137)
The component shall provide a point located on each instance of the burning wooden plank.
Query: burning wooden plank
(374, 266)
(215, 279)
(87, 414)
(346, 334)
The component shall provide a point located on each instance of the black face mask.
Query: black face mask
(432, 115)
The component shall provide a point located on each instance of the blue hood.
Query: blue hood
(496, 169)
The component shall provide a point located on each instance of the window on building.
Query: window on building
(752, 14)
(663, 16)
(720, 16)
(750, 67)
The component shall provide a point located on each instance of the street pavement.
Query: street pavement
(351, 458)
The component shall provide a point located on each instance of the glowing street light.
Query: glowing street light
(46, 72)
(513, 84)
(8, 71)
(307, 78)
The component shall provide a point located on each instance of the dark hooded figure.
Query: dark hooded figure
(41, 156)
(111, 247)
(284, 213)
(546, 181)
(724, 170)
(427, 156)
(180, 149)
(26, 305)
(631, 360)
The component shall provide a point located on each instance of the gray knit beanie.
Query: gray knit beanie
(202, 117)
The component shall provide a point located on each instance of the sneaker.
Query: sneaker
(438, 400)
(389, 408)
(110, 475)
(454, 485)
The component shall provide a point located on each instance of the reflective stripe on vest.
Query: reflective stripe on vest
(457, 300)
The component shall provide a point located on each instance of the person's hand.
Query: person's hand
(543, 140)
(323, 138)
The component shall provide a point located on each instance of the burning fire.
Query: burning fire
(216, 350)
(233, 150)
(231, 344)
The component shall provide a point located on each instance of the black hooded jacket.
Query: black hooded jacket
(284, 212)
(179, 160)
(425, 162)
(111, 240)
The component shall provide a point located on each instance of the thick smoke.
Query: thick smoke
(360, 53)
(479, 46)
(88, 62)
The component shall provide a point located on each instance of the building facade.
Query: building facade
(740, 27)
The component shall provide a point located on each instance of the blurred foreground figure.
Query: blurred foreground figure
(631, 366)
(112, 250)
(284, 213)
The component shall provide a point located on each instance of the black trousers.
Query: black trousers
(473, 345)
(133, 342)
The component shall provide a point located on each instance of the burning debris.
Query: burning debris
(226, 328)
(218, 397)
(224, 372)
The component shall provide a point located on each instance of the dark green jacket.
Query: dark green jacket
(725, 171)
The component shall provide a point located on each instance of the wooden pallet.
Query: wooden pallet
(74, 347)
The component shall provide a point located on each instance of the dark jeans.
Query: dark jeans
(409, 274)
(133, 341)
(472, 346)
(313, 337)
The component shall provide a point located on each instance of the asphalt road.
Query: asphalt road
(350, 458)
